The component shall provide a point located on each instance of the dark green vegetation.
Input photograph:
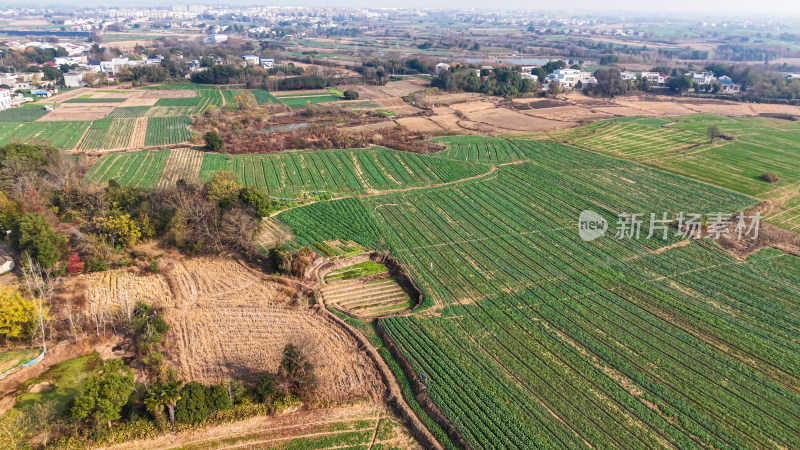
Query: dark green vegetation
(140, 169)
(544, 339)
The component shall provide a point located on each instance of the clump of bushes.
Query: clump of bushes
(770, 177)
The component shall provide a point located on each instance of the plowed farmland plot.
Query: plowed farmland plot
(109, 134)
(140, 169)
(64, 135)
(182, 164)
(289, 174)
(167, 130)
(539, 339)
(365, 296)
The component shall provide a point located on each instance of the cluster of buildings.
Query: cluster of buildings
(569, 78)
(698, 79)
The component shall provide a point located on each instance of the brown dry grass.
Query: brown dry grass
(654, 108)
(167, 93)
(228, 321)
(121, 94)
(764, 108)
(66, 95)
(78, 111)
(472, 106)
(567, 113)
(139, 102)
(505, 119)
(389, 90)
(137, 139)
(419, 124)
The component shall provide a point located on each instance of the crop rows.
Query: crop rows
(23, 113)
(208, 98)
(183, 101)
(479, 148)
(167, 130)
(128, 112)
(109, 134)
(140, 169)
(337, 171)
(638, 141)
(301, 101)
(264, 97)
(64, 135)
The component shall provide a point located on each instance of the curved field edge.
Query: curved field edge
(450, 248)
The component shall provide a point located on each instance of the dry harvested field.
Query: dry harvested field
(183, 164)
(504, 119)
(419, 124)
(138, 101)
(390, 90)
(362, 424)
(472, 106)
(654, 108)
(715, 107)
(119, 94)
(202, 298)
(78, 111)
(449, 122)
(139, 132)
(618, 110)
(764, 108)
(398, 106)
(378, 126)
(567, 113)
(168, 93)
(451, 99)
(67, 95)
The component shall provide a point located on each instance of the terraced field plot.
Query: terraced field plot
(61, 134)
(538, 337)
(338, 171)
(301, 100)
(353, 290)
(109, 134)
(141, 169)
(129, 112)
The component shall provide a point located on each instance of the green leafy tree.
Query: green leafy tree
(171, 395)
(193, 405)
(154, 401)
(32, 234)
(17, 314)
(214, 142)
(105, 393)
(257, 200)
(297, 372)
(223, 188)
(217, 398)
(265, 389)
(10, 212)
(351, 94)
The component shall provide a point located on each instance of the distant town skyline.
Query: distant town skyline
(709, 8)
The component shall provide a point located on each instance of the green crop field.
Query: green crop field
(167, 130)
(109, 134)
(338, 171)
(26, 113)
(140, 169)
(304, 100)
(680, 144)
(479, 148)
(188, 101)
(538, 339)
(263, 97)
(129, 112)
(63, 135)
(208, 98)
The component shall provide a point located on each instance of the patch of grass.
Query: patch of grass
(357, 271)
(67, 379)
(27, 113)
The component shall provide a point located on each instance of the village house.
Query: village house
(267, 63)
(701, 78)
(727, 85)
(440, 67)
(567, 78)
(5, 99)
(656, 78)
(251, 60)
(216, 39)
(627, 75)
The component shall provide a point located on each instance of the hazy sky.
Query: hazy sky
(787, 9)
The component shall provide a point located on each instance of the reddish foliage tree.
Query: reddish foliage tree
(74, 264)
